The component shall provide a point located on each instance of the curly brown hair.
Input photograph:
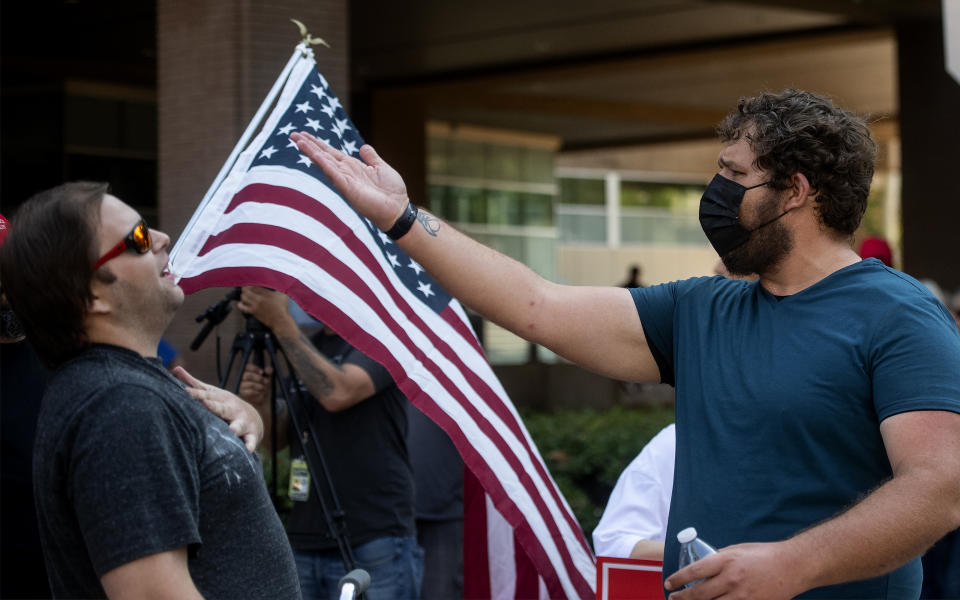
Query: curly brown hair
(802, 132)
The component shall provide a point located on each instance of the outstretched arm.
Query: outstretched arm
(596, 327)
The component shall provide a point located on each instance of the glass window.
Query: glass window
(503, 207)
(438, 153)
(581, 226)
(581, 191)
(537, 209)
(465, 158)
(538, 165)
(503, 163)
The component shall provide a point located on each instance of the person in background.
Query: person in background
(141, 488)
(438, 473)
(169, 356)
(360, 417)
(878, 248)
(634, 522)
(633, 278)
(817, 472)
(21, 387)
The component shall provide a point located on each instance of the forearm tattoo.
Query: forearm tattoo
(430, 223)
(309, 365)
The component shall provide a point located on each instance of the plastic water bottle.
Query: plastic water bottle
(692, 549)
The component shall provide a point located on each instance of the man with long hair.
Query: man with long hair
(141, 491)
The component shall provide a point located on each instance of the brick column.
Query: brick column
(216, 61)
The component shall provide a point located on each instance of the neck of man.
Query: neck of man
(101, 330)
(817, 253)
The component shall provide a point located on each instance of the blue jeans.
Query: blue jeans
(395, 565)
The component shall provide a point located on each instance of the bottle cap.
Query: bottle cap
(687, 535)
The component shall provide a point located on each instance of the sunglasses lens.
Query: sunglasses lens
(141, 238)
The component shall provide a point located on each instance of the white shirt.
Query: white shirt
(640, 502)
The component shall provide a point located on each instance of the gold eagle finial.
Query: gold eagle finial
(307, 38)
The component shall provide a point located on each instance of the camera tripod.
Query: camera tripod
(254, 344)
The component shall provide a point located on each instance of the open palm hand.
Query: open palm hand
(372, 186)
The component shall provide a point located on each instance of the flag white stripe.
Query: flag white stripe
(500, 554)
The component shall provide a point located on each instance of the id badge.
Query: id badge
(299, 480)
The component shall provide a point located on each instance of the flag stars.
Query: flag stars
(329, 110)
(267, 152)
(335, 103)
(384, 238)
(304, 108)
(286, 129)
(292, 144)
(315, 89)
(415, 266)
(303, 160)
(349, 147)
(394, 262)
(424, 288)
(314, 124)
(343, 125)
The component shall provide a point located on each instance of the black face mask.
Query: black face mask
(719, 214)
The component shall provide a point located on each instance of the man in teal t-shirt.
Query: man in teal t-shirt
(818, 409)
(779, 400)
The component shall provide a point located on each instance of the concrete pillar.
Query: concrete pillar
(216, 61)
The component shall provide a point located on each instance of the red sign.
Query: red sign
(629, 579)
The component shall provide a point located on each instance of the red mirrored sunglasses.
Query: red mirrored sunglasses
(138, 240)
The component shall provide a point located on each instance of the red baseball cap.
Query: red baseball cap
(877, 247)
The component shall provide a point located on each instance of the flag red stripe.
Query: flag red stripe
(464, 329)
(476, 562)
(228, 277)
(528, 583)
(284, 196)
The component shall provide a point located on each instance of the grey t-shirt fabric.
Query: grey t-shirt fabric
(127, 465)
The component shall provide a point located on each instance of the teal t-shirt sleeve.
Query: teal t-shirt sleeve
(656, 306)
(915, 360)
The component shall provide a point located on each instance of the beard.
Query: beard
(766, 247)
(149, 309)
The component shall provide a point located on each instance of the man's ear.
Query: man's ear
(99, 303)
(799, 192)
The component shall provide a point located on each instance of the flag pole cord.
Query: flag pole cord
(301, 51)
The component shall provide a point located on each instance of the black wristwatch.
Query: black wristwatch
(404, 222)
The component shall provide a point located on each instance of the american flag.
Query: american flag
(276, 221)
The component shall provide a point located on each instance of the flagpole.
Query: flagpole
(300, 51)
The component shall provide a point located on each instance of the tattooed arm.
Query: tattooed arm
(335, 388)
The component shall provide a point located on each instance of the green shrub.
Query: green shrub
(586, 450)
